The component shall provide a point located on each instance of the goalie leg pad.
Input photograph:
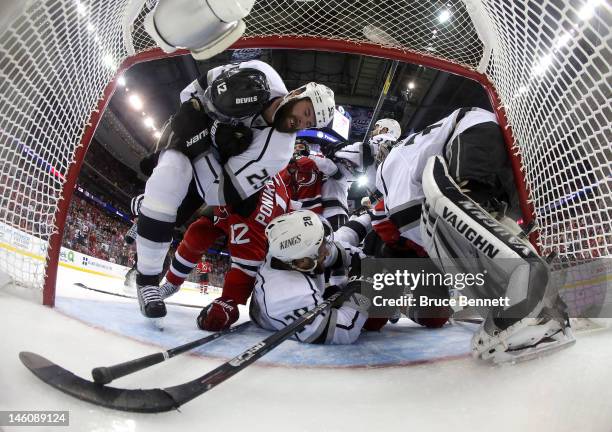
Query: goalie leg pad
(457, 230)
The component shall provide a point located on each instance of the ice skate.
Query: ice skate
(150, 301)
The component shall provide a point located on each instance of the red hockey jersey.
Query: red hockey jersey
(304, 181)
(246, 235)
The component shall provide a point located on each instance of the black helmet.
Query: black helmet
(239, 93)
(301, 148)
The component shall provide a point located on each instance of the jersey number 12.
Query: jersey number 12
(238, 231)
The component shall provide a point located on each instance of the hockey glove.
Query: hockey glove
(329, 150)
(232, 140)
(219, 315)
(188, 131)
(189, 120)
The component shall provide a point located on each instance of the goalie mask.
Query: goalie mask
(321, 97)
(237, 94)
(298, 236)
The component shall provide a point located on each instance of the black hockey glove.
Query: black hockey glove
(190, 120)
(330, 291)
(231, 140)
(329, 151)
(188, 131)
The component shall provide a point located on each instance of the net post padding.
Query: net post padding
(272, 42)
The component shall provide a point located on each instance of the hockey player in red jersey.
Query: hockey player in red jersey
(247, 247)
(204, 268)
(303, 178)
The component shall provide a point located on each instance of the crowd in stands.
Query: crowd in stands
(581, 237)
(95, 232)
(109, 179)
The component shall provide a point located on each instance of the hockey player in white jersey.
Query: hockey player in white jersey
(446, 190)
(533, 321)
(485, 170)
(228, 162)
(354, 160)
(290, 282)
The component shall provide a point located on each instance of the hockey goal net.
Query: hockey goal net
(545, 65)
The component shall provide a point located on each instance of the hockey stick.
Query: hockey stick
(106, 374)
(81, 285)
(160, 400)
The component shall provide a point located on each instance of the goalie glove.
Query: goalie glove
(218, 315)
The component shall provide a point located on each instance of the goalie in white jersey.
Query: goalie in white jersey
(446, 190)
(291, 282)
(229, 162)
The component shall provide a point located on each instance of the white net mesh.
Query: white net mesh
(548, 60)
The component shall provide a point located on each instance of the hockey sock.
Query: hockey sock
(199, 237)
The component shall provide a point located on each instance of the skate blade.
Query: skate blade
(532, 353)
(156, 323)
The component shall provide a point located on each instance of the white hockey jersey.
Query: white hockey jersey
(335, 190)
(399, 177)
(282, 296)
(277, 86)
(266, 156)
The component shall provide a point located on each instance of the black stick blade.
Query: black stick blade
(145, 401)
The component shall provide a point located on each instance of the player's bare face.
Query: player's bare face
(378, 130)
(306, 264)
(295, 116)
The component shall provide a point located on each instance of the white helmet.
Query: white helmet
(393, 127)
(295, 235)
(322, 98)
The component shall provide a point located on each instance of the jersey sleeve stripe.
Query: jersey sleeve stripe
(263, 151)
(245, 269)
(180, 273)
(183, 261)
(331, 203)
(359, 229)
(349, 327)
(407, 218)
(246, 262)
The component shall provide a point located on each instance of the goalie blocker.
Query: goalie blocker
(457, 230)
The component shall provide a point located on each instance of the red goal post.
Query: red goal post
(544, 65)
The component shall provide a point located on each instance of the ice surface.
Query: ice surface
(568, 391)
